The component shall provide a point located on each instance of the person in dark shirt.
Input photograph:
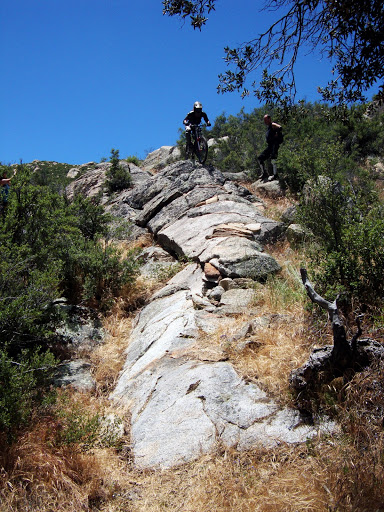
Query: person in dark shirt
(274, 137)
(194, 117)
(4, 190)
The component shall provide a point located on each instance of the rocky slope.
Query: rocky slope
(182, 395)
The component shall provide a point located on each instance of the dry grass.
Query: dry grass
(275, 207)
(322, 476)
(334, 475)
(38, 477)
(46, 471)
(284, 479)
(108, 359)
(280, 343)
(270, 357)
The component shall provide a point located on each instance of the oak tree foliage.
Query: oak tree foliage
(349, 33)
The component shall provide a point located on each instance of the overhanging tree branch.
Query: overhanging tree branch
(349, 33)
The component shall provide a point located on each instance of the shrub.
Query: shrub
(84, 428)
(91, 219)
(118, 178)
(20, 380)
(347, 225)
(49, 248)
(133, 160)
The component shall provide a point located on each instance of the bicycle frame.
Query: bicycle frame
(198, 143)
(196, 133)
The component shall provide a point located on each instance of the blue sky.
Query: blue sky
(80, 77)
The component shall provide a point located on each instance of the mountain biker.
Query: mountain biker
(274, 137)
(194, 117)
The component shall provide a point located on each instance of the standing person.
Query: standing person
(194, 117)
(5, 185)
(274, 137)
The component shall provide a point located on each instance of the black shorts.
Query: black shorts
(270, 152)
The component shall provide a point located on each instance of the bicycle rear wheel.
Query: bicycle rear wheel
(202, 150)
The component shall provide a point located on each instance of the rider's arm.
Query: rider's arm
(187, 119)
(206, 119)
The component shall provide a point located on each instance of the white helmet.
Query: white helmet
(197, 106)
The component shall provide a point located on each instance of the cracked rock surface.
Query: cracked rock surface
(184, 401)
(183, 395)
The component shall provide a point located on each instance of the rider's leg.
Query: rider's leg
(188, 138)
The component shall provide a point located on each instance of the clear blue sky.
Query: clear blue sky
(80, 77)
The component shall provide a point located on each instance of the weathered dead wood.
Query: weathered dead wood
(342, 359)
(342, 352)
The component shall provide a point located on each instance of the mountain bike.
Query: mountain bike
(199, 144)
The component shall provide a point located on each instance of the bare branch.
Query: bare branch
(331, 307)
(341, 352)
(349, 34)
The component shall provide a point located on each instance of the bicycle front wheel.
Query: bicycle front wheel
(202, 150)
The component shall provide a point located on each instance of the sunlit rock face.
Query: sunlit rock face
(183, 395)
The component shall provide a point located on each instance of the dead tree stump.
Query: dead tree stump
(344, 358)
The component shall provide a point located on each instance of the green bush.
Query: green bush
(118, 178)
(306, 159)
(84, 428)
(91, 219)
(347, 224)
(21, 378)
(133, 160)
(311, 132)
(49, 249)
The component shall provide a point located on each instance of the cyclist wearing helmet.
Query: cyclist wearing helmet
(194, 117)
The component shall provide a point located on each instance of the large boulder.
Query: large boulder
(183, 395)
(185, 398)
(161, 157)
(91, 182)
(196, 213)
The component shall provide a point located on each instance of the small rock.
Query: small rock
(76, 374)
(243, 282)
(288, 217)
(236, 301)
(73, 173)
(270, 188)
(211, 272)
(226, 283)
(254, 227)
(216, 293)
(200, 302)
(297, 234)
